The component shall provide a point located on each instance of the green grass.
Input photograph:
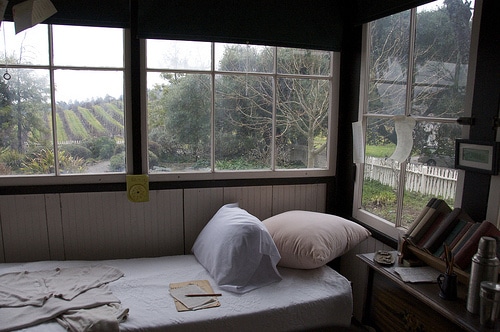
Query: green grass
(92, 121)
(380, 151)
(116, 112)
(380, 200)
(105, 116)
(75, 125)
(61, 133)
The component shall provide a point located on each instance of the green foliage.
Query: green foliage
(76, 151)
(43, 162)
(61, 133)
(115, 110)
(152, 159)
(10, 158)
(101, 147)
(117, 162)
(380, 151)
(95, 126)
(238, 164)
(115, 126)
(76, 127)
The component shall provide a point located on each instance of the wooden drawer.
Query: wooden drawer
(393, 309)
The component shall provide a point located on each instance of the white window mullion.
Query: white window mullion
(275, 109)
(212, 111)
(53, 104)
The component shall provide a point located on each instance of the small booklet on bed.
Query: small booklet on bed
(180, 290)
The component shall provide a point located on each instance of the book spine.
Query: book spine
(417, 220)
(439, 206)
(436, 224)
(458, 229)
(465, 238)
(464, 230)
(439, 235)
(463, 258)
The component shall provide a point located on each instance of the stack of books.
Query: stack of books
(438, 225)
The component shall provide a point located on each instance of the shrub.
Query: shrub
(101, 147)
(11, 158)
(117, 162)
(76, 151)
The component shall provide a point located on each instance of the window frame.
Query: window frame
(135, 61)
(75, 178)
(394, 230)
(250, 174)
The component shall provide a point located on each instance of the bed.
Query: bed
(269, 277)
(303, 299)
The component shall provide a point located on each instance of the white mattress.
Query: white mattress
(304, 299)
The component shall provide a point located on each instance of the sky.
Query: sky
(73, 46)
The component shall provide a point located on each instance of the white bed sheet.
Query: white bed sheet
(304, 299)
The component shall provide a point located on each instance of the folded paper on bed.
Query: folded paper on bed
(178, 291)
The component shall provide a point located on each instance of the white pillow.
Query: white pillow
(237, 250)
(307, 240)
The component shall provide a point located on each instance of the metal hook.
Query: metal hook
(7, 76)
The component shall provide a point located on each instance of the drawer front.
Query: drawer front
(393, 309)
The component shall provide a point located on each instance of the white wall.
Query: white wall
(106, 225)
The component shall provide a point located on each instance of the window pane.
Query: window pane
(303, 62)
(179, 123)
(90, 120)
(30, 46)
(389, 45)
(430, 172)
(434, 143)
(244, 58)
(183, 55)
(302, 123)
(87, 46)
(380, 174)
(243, 122)
(441, 60)
(25, 133)
(86, 85)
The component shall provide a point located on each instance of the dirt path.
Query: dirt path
(101, 167)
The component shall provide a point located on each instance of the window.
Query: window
(61, 108)
(212, 107)
(416, 66)
(215, 107)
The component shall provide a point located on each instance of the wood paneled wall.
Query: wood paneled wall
(105, 225)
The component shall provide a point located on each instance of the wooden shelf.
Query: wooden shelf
(437, 263)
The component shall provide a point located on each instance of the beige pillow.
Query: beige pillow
(307, 240)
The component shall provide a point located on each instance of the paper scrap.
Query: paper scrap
(404, 131)
(417, 274)
(31, 12)
(192, 303)
(358, 143)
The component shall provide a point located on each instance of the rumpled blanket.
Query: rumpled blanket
(30, 298)
(103, 318)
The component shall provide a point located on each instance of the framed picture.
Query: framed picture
(477, 156)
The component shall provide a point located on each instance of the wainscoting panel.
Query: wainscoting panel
(105, 225)
(168, 211)
(199, 207)
(258, 201)
(24, 229)
(309, 197)
(54, 226)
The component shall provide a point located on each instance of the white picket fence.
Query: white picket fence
(428, 180)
